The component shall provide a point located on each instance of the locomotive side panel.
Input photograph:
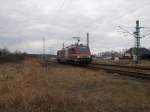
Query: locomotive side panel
(66, 54)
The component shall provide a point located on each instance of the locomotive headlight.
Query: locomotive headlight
(78, 56)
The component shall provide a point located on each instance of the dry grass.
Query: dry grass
(28, 87)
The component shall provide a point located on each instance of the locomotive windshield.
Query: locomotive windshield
(84, 49)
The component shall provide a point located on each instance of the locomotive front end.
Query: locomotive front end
(84, 55)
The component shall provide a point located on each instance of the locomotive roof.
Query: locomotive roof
(76, 45)
(73, 46)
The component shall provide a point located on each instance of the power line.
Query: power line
(126, 31)
(145, 35)
(59, 8)
(62, 4)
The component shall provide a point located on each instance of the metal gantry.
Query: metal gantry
(137, 36)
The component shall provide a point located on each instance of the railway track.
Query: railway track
(134, 71)
(124, 66)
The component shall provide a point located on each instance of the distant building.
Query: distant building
(143, 52)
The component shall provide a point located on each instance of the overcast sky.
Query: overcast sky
(23, 23)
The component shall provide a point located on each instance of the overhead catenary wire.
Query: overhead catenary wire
(133, 10)
(145, 35)
(59, 8)
(126, 31)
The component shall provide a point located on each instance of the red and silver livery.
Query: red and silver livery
(77, 54)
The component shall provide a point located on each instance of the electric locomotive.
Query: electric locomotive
(75, 54)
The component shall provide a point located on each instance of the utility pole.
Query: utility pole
(137, 36)
(44, 49)
(88, 39)
(44, 56)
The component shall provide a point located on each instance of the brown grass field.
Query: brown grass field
(29, 87)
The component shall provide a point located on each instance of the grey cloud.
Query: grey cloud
(24, 23)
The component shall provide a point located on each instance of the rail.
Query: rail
(138, 72)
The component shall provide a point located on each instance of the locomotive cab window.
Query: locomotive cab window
(83, 49)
